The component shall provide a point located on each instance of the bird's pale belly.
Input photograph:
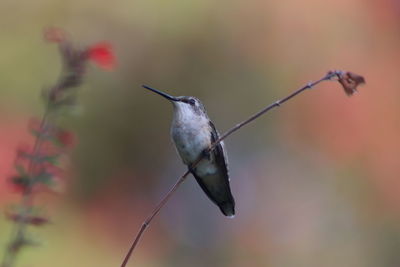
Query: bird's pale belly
(190, 143)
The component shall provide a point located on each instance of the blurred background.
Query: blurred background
(316, 181)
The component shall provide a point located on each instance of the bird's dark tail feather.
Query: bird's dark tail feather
(224, 200)
(227, 208)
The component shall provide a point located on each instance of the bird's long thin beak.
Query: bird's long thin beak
(167, 96)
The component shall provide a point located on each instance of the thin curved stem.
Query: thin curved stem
(278, 103)
(146, 223)
(164, 200)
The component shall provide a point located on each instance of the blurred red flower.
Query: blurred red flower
(18, 184)
(66, 138)
(33, 220)
(23, 151)
(102, 54)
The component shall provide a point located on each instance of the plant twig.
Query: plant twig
(38, 167)
(18, 239)
(146, 223)
(340, 75)
(328, 76)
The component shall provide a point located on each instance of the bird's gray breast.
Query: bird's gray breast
(191, 136)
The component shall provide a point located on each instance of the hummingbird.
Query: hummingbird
(193, 133)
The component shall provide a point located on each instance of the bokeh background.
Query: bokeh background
(316, 182)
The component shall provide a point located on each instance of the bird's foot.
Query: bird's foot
(191, 168)
(206, 154)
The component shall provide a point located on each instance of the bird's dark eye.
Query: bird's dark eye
(191, 101)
